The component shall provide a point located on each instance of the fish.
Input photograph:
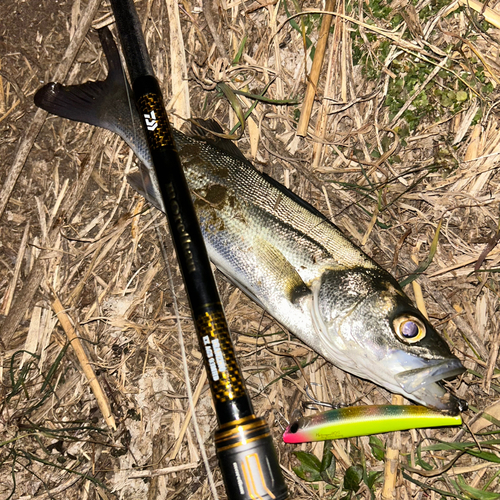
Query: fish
(280, 250)
(365, 420)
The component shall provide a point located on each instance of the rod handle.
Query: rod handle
(248, 461)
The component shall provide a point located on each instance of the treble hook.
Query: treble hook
(314, 401)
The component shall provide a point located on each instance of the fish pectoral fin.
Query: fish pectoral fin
(283, 275)
(91, 102)
(140, 181)
(318, 322)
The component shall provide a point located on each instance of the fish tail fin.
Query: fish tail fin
(95, 103)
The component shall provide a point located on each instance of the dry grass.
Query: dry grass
(386, 171)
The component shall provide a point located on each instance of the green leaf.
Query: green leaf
(486, 415)
(308, 459)
(309, 468)
(427, 262)
(292, 22)
(268, 100)
(378, 447)
(474, 492)
(328, 464)
(419, 461)
(235, 104)
(459, 446)
(353, 477)
(373, 477)
(238, 55)
(484, 455)
(425, 487)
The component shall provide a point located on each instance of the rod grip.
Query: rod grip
(248, 461)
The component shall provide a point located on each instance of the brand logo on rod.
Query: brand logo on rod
(151, 122)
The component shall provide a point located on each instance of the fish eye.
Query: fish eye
(409, 329)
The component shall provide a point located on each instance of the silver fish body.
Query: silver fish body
(282, 252)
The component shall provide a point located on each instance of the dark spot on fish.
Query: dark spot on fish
(294, 428)
(208, 212)
(278, 201)
(216, 195)
(319, 256)
(195, 156)
(219, 171)
(209, 221)
(199, 203)
(302, 290)
(189, 151)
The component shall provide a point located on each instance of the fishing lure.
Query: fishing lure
(365, 420)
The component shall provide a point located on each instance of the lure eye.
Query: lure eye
(409, 329)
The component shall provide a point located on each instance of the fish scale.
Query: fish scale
(280, 250)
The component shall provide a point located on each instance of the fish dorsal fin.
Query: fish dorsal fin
(202, 128)
(203, 132)
(295, 197)
(91, 102)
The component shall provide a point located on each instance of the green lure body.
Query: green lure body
(365, 420)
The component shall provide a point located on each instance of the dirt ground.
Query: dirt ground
(393, 179)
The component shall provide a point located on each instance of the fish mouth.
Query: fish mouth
(434, 371)
(424, 384)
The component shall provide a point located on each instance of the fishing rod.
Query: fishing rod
(243, 442)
